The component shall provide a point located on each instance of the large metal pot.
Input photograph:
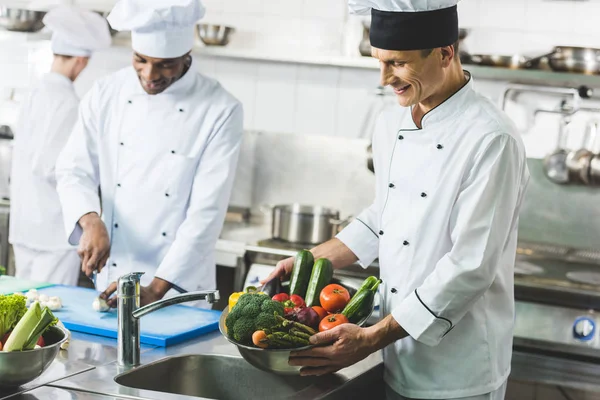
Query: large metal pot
(305, 224)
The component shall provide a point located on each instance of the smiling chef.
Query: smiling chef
(451, 174)
(161, 143)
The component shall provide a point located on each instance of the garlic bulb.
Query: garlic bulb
(99, 305)
(65, 344)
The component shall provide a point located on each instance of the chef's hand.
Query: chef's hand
(148, 294)
(338, 348)
(282, 270)
(94, 246)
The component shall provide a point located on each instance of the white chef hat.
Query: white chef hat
(410, 24)
(77, 32)
(159, 28)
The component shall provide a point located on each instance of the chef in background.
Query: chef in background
(46, 120)
(451, 173)
(162, 141)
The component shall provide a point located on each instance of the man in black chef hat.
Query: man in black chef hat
(451, 173)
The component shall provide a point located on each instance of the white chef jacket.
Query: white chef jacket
(47, 117)
(165, 165)
(444, 226)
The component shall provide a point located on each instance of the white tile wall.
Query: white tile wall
(299, 99)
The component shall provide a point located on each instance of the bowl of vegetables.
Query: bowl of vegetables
(267, 325)
(29, 340)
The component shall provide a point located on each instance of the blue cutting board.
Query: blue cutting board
(165, 327)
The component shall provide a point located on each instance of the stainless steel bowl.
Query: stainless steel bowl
(214, 35)
(276, 360)
(20, 20)
(582, 60)
(20, 367)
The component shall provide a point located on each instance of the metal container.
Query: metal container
(20, 367)
(20, 20)
(305, 224)
(214, 35)
(276, 360)
(579, 162)
(583, 60)
(495, 60)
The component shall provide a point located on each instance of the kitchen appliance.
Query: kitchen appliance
(21, 20)
(304, 224)
(214, 35)
(165, 327)
(557, 292)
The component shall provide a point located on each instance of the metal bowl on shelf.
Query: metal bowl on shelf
(583, 60)
(21, 367)
(276, 360)
(496, 60)
(214, 35)
(21, 20)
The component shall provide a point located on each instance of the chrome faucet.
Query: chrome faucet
(130, 312)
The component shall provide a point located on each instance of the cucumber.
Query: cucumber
(320, 277)
(361, 303)
(367, 283)
(301, 272)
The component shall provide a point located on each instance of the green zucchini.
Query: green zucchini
(368, 283)
(361, 303)
(320, 277)
(303, 264)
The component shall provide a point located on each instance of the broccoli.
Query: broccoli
(252, 312)
(12, 309)
(265, 321)
(243, 329)
(271, 307)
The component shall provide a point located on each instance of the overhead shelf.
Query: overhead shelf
(535, 77)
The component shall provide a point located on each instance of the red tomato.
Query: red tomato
(41, 342)
(321, 312)
(297, 300)
(334, 297)
(5, 338)
(281, 297)
(331, 321)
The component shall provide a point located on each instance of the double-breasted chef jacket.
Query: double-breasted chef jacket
(444, 227)
(165, 165)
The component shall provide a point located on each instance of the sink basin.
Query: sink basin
(224, 378)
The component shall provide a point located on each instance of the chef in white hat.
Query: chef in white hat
(162, 143)
(450, 177)
(47, 117)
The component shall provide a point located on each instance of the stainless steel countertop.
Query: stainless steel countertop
(100, 380)
(46, 392)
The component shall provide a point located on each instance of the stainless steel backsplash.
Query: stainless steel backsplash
(332, 171)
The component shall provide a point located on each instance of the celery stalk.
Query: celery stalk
(29, 329)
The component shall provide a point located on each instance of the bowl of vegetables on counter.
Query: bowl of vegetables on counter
(267, 324)
(30, 339)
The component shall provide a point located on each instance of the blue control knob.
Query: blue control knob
(584, 328)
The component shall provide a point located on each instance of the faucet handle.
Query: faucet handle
(129, 284)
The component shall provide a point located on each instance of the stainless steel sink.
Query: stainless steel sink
(223, 377)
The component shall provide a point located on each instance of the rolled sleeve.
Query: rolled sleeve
(420, 322)
(360, 237)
